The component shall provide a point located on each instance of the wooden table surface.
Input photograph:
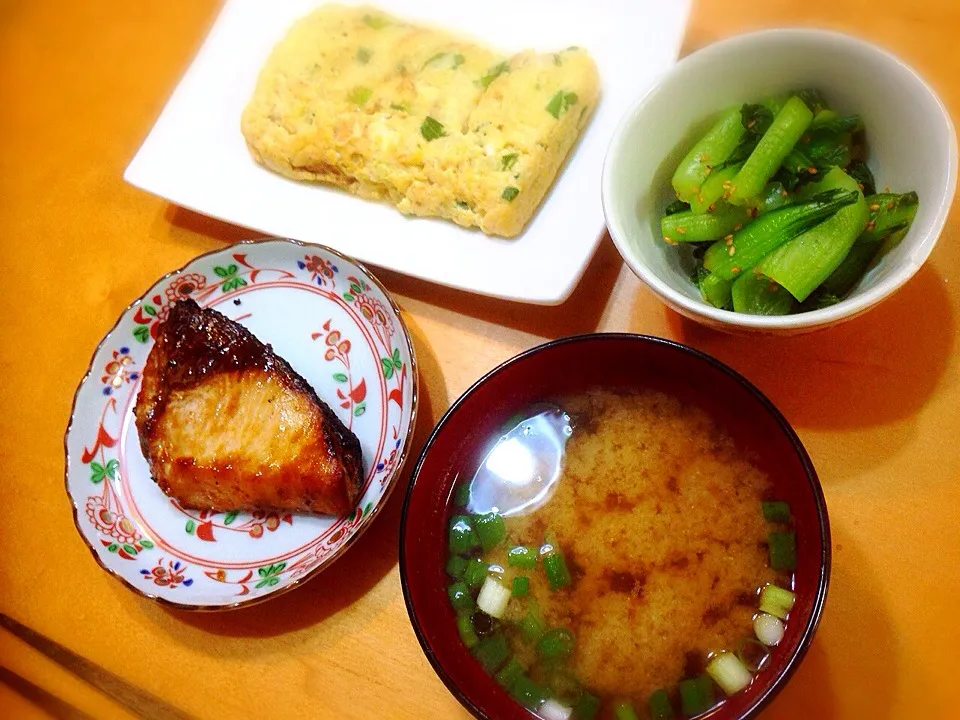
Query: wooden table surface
(876, 402)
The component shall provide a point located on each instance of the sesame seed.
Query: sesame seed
(751, 123)
(784, 193)
(890, 205)
(731, 251)
(729, 238)
(682, 231)
(860, 186)
(871, 225)
(875, 207)
(712, 207)
(669, 241)
(812, 170)
(737, 227)
(734, 270)
(699, 198)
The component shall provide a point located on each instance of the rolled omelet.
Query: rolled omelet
(437, 125)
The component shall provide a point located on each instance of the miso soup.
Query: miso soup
(615, 555)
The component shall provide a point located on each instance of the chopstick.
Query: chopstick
(47, 701)
(139, 701)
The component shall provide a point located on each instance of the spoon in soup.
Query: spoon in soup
(520, 473)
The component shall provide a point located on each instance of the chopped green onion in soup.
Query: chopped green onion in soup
(769, 629)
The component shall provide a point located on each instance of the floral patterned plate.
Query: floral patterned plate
(337, 326)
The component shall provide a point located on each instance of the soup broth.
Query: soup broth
(627, 541)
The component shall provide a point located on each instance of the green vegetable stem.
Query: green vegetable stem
(890, 217)
(787, 128)
(693, 227)
(801, 264)
(756, 120)
(774, 196)
(757, 294)
(728, 258)
(712, 149)
(888, 213)
(717, 184)
(714, 289)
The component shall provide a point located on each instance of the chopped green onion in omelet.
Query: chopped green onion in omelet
(445, 60)
(431, 129)
(377, 22)
(560, 102)
(495, 72)
(359, 95)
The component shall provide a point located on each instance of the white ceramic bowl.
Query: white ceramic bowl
(911, 142)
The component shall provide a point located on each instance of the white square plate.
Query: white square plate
(195, 155)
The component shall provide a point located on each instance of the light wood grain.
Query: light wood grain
(877, 401)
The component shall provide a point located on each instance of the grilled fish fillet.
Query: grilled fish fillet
(228, 425)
